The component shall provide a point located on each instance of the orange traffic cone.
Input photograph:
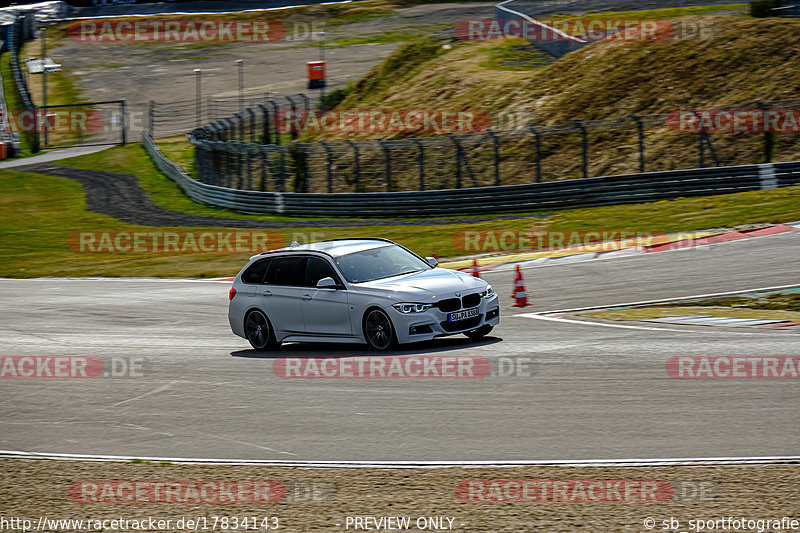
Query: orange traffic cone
(476, 273)
(519, 293)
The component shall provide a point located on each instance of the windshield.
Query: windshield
(379, 263)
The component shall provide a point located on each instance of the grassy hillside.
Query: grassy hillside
(742, 59)
(734, 60)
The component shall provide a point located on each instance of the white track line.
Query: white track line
(681, 461)
(537, 316)
(665, 300)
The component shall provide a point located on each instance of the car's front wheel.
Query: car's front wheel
(480, 332)
(258, 331)
(378, 330)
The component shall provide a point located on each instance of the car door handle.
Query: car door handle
(267, 293)
(306, 297)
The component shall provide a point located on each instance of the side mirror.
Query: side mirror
(432, 261)
(326, 283)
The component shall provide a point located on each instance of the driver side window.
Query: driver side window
(316, 269)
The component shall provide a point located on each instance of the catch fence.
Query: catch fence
(242, 152)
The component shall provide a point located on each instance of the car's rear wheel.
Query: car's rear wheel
(258, 331)
(480, 332)
(378, 330)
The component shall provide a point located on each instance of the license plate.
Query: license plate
(462, 315)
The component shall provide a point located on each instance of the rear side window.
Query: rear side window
(256, 272)
(317, 269)
(288, 271)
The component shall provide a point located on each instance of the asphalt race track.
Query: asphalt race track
(594, 392)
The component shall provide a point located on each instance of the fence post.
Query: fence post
(266, 136)
(538, 153)
(252, 123)
(584, 148)
(275, 114)
(388, 162)
(769, 136)
(124, 118)
(329, 165)
(249, 165)
(496, 149)
(294, 111)
(302, 175)
(151, 111)
(306, 101)
(240, 117)
(284, 174)
(357, 165)
(421, 161)
(640, 131)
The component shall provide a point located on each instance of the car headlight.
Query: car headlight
(412, 308)
(489, 292)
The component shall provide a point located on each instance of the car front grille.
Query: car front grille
(454, 304)
(471, 300)
(449, 305)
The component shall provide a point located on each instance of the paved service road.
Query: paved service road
(594, 391)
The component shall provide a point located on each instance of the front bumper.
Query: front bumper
(415, 327)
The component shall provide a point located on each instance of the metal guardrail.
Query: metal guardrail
(18, 33)
(566, 194)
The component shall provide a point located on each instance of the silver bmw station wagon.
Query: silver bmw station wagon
(370, 291)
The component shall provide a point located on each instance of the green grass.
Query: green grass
(668, 13)
(41, 212)
(778, 302)
(521, 55)
(644, 313)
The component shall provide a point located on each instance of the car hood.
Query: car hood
(426, 285)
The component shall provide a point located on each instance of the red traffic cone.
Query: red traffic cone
(476, 273)
(519, 293)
